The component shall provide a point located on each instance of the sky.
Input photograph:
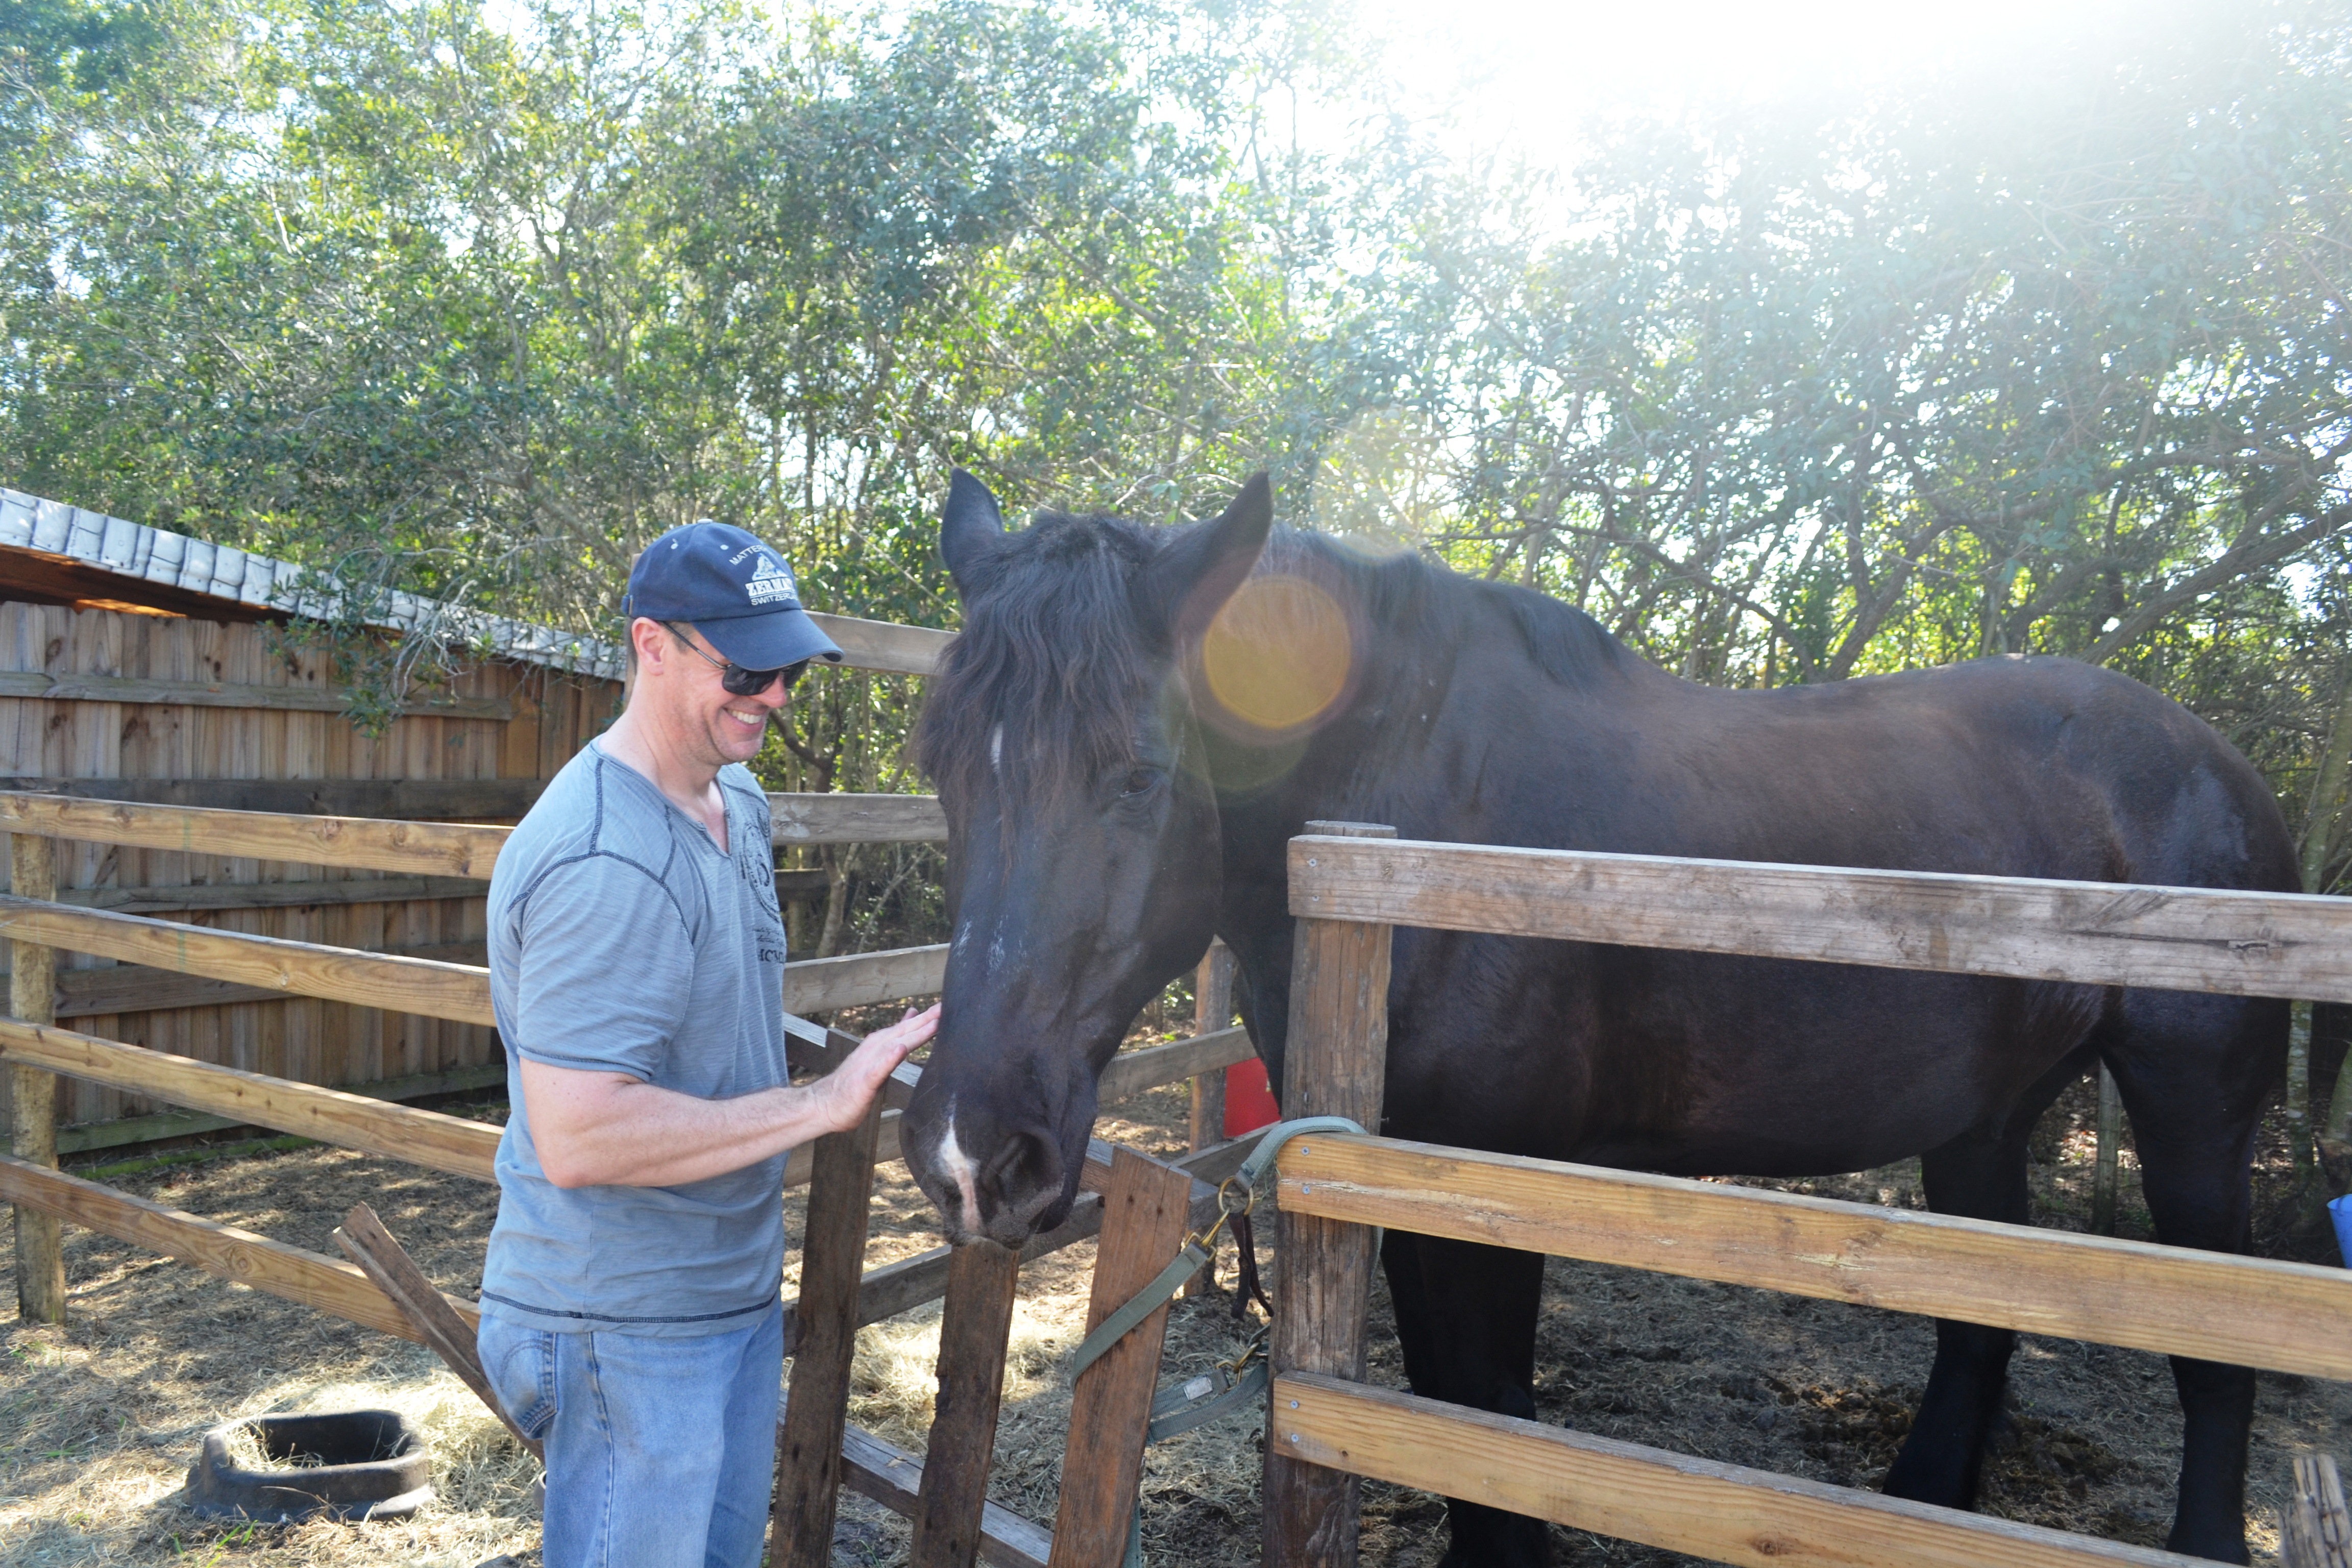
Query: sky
(1524, 72)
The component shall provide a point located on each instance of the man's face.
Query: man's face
(703, 715)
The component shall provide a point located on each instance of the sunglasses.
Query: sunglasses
(733, 678)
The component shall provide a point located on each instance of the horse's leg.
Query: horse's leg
(1466, 1320)
(2194, 1072)
(1981, 1175)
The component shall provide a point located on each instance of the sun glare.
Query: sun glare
(1525, 73)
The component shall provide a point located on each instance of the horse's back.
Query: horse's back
(2027, 767)
(2035, 767)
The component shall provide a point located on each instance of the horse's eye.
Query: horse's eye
(1139, 782)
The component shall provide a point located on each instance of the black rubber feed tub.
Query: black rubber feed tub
(353, 1465)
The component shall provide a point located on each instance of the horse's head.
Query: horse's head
(1083, 859)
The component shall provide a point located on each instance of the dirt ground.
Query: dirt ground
(100, 1419)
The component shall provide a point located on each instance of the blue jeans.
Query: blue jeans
(660, 1452)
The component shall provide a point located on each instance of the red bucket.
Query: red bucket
(1249, 1102)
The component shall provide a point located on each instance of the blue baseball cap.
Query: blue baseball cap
(737, 591)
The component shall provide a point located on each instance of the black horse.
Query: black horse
(1134, 720)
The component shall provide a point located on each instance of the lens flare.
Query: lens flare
(1278, 655)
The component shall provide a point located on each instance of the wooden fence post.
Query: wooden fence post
(2316, 1531)
(33, 997)
(1334, 1063)
(975, 1326)
(1213, 1009)
(2106, 1172)
(1145, 1211)
(833, 1264)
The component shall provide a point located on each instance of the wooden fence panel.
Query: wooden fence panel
(2093, 933)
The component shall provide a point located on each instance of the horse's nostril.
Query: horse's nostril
(1026, 1169)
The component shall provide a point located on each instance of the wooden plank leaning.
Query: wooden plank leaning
(33, 1091)
(975, 1328)
(1145, 1213)
(1723, 1513)
(333, 1116)
(2248, 1311)
(832, 1254)
(2088, 933)
(1334, 1064)
(367, 1243)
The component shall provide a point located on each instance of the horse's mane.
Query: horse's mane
(1053, 660)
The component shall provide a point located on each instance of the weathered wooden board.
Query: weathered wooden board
(1724, 1513)
(408, 984)
(1132, 1072)
(198, 897)
(2094, 933)
(2315, 1526)
(2251, 1311)
(856, 819)
(33, 1093)
(863, 979)
(894, 1478)
(884, 644)
(809, 1438)
(220, 694)
(975, 1328)
(341, 974)
(1144, 1215)
(406, 1133)
(233, 1254)
(442, 799)
(421, 849)
(367, 1243)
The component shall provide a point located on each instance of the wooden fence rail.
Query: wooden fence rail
(2092, 934)
(1725, 1513)
(2248, 1312)
(402, 985)
(423, 849)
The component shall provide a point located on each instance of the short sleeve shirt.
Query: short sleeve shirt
(623, 939)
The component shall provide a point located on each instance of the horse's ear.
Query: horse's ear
(1184, 587)
(970, 527)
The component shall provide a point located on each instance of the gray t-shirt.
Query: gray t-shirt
(622, 939)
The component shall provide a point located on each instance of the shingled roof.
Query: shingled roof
(69, 552)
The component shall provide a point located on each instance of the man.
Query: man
(631, 1312)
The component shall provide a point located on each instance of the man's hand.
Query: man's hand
(607, 1129)
(848, 1090)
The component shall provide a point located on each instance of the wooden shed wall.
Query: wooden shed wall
(552, 714)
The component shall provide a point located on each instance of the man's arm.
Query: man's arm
(606, 1129)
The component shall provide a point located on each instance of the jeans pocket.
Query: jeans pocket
(521, 1364)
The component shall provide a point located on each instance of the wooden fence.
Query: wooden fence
(948, 1501)
(1350, 884)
